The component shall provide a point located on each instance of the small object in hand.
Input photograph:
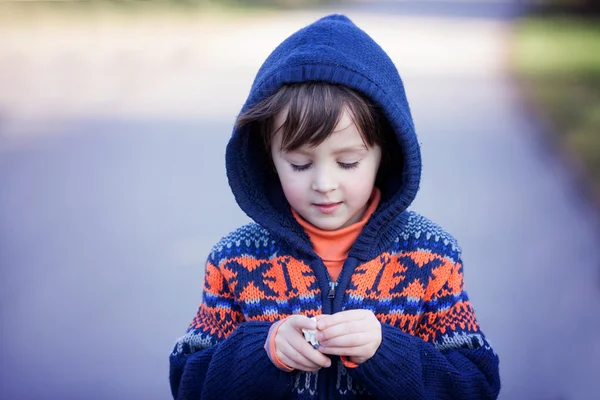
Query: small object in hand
(311, 336)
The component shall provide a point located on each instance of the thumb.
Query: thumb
(301, 322)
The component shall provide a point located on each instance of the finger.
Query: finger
(309, 353)
(300, 322)
(296, 359)
(340, 318)
(344, 351)
(292, 364)
(342, 329)
(351, 340)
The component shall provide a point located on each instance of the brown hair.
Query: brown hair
(313, 111)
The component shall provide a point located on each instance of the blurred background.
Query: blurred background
(114, 117)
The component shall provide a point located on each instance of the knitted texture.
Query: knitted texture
(403, 267)
(336, 51)
(432, 346)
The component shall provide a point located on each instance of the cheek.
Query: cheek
(294, 194)
(293, 187)
(362, 190)
(361, 186)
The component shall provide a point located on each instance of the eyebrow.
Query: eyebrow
(349, 149)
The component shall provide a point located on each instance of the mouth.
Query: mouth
(327, 208)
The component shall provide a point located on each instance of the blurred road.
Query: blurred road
(113, 189)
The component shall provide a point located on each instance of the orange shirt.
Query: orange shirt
(333, 246)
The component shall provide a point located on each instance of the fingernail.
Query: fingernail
(328, 364)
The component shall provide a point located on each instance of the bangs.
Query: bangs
(312, 112)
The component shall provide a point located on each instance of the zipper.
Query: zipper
(330, 389)
(331, 293)
(329, 377)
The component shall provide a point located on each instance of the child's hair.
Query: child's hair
(314, 110)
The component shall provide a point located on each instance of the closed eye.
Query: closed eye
(300, 168)
(348, 165)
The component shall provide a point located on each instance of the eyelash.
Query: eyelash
(300, 168)
(348, 166)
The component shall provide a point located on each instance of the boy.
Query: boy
(325, 159)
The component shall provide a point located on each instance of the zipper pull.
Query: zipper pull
(332, 286)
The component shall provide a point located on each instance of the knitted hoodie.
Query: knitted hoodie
(403, 267)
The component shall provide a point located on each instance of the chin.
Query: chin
(328, 226)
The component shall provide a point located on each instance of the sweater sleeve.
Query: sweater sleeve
(222, 356)
(447, 358)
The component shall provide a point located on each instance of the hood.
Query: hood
(332, 49)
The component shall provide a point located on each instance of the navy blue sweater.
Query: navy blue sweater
(403, 267)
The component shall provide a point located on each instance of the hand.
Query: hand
(353, 333)
(293, 350)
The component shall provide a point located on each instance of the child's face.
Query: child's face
(328, 185)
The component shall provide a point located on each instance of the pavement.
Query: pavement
(113, 190)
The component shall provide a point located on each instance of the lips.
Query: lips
(327, 208)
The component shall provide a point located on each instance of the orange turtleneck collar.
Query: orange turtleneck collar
(333, 246)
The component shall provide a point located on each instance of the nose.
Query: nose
(324, 181)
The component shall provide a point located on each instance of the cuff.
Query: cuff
(270, 347)
(347, 363)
